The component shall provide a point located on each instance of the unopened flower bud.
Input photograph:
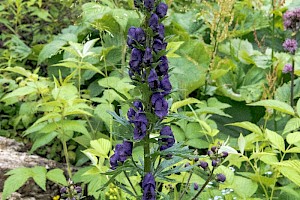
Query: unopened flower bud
(196, 186)
(203, 164)
(221, 178)
(214, 149)
(196, 159)
(63, 190)
(214, 163)
(209, 153)
(78, 189)
(224, 154)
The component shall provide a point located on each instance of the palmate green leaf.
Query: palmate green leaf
(248, 126)
(18, 178)
(276, 105)
(57, 176)
(276, 140)
(292, 125)
(184, 102)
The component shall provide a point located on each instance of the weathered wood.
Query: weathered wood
(12, 156)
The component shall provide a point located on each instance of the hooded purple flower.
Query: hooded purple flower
(153, 80)
(149, 4)
(160, 104)
(291, 19)
(148, 59)
(168, 139)
(135, 35)
(160, 32)
(122, 151)
(140, 126)
(290, 45)
(148, 186)
(135, 59)
(165, 84)
(288, 68)
(163, 66)
(159, 45)
(153, 22)
(161, 10)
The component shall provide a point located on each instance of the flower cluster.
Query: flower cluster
(216, 159)
(148, 186)
(291, 20)
(71, 192)
(290, 45)
(288, 68)
(122, 151)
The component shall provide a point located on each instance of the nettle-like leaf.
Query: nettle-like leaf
(248, 126)
(276, 140)
(292, 125)
(57, 176)
(290, 169)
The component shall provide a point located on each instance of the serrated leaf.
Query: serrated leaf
(276, 105)
(39, 176)
(276, 140)
(19, 92)
(241, 143)
(42, 140)
(51, 49)
(57, 176)
(102, 146)
(88, 45)
(291, 174)
(13, 183)
(18, 70)
(293, 150)
(239, 188)
(293, 138)
(248, 126)
(291, 125)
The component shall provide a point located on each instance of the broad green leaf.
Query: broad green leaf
(101, 111)
(276, 140)
(276, 105)
(172, 47)
(74, 125)
(291, 174)
(184, 102)
(193, 130)
(39, 176)
(197, 143)
(228, 149)
(88, 45)
(292, 125)
(293, 138)
(52, 115)
(293, 150)
(19, 92)
(65, 92)
(51, 49)
(18, 178)
(43, 139)
(248, 126)
(298, 107)
(244, 187)
(269, 159)
(18, 70)
(178, 133)
(260, 154)
(241, 143)
(102, 146)
(57, 176)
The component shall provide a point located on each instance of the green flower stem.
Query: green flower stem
(292, 82)
(64, 143)
(147, 159)
(186, 185)
(127, 177)
(205, 184)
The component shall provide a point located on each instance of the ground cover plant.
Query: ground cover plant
(153, 99)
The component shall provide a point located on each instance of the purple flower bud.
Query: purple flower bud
(148, 59)
(168, 140)
(148, 180)
(148, 186)
(159, 45)
(221, 178)
(203, 165)
(290, 45)
(161, 10)
(224, 154)
(78, 189)
(196, 186)
(138, 105)
(288, 68)
(63, 190)
(130, 114)
(114, 161)
(160, 104)
(214, 163)
(214, 149)
(163, 66)
(153, 80)
(153, 22)
(210, 153)
(149, 4)
(196, 159)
